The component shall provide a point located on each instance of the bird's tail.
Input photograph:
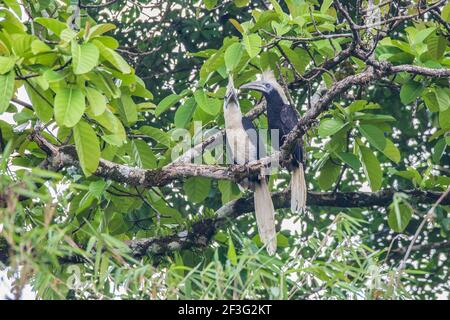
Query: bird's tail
(298, 190)
(265, 216)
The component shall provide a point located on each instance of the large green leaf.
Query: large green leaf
(444, 119)
(84, 57)
(229, 190)
(328, 174)
(87, 146)
(329, 127)
(209, 105)
(410, 91)
(100, 29)
(69, 106)
(436, 46)
(372, 168)
(233, 56)
(399, 216)
(197, 188)
(51, 24)
(350, 159)
(6, 64)
(41, 101)
(143, 155)
(127, 109)
(443, 98)
(374, 135)
(209, 4)
(298, 57)
(184, 113)
(113, 57)
(156, 134)
(6, 90)
(391, 151)
(97, 101)
(252, 44)
(166, 103)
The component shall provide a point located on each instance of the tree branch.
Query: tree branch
(202, 232)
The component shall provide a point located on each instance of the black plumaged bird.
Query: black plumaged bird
(243, 146)
(282, 116)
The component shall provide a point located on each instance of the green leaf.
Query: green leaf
(329, 127)
(184, 113)
(430, 99)
(410, 91)
(422, 35)
(156, 134)
(438, 150)
(229, 190)
(445, 14)
(231, 254)
(84, 57)
(444, 119)
(436, 46)
(6, 90)
(41, 101)
(399, 216)
(374, 135)
(233, 56)
(6, 64)
(69, 106)
(328, 174)
(209, 4)
(87, 146)
(372, 168)
(391, 151)
(359, 105)
(241, 3)
(166, 103)
(210, 106)
(100, 29)
(443, 98)
(350, 159)
(197, 188)
(51, 24)
(252, 44)
(298, 57)
(127, 109)
(113, 57)
(97, 101)
(143, 155)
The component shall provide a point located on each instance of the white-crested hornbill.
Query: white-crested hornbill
(243, 146)
(282, 116)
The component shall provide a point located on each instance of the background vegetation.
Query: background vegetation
(92, 205)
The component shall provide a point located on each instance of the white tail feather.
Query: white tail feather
(265, 216)
(298, 190)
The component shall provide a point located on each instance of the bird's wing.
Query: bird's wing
(289, 119)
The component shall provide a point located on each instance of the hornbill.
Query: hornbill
(282, 116)
(243, 146)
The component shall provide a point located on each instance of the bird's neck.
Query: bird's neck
(274, 100)
(233, 116)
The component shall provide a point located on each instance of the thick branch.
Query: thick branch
(203, 231)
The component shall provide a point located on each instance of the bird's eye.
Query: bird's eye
(267, 85)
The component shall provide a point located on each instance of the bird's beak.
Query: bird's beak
(231, 95)
(255, 85)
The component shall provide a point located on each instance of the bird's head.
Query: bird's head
(231, 96)
(268, 86)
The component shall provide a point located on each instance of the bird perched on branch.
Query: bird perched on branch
(243, 146)
(282, 116)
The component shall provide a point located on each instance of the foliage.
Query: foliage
(117, 81)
